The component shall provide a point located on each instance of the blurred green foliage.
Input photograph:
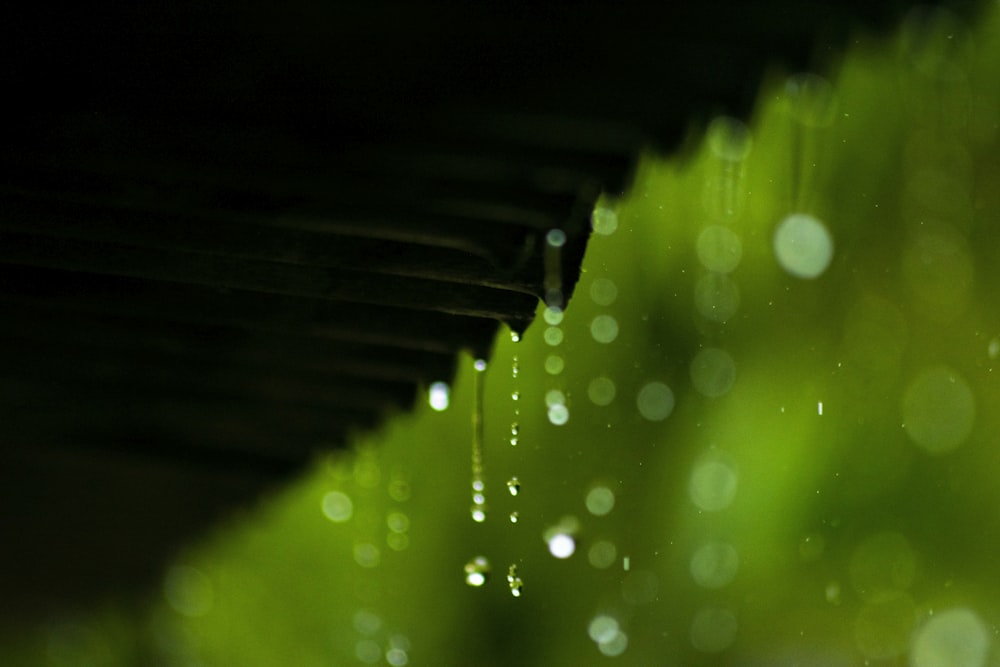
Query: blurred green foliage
(818, 488)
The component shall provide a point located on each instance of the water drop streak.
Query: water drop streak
(478, 480)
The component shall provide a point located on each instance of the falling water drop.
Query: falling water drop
(515, 397)
(514, 581)
(554, 241)
(477, 571)
(438, 396)
(478, 509)
(514, 486)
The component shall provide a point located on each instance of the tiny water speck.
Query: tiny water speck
(514, 486)
(514, 516)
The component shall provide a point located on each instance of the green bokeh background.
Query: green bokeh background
(850, 535)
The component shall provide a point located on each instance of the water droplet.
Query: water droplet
(479, 365)
(515, 395)
(561, 545)
(515, 337)
(553, 316)
(713, 630)
(655, 401)
(367, 554)
(601, 391)
(719, 249)
(556, 238)
(714, 565)
(604, 221)
(604, 329)
(514, 582)
(398, 522)
(993, 349)
(803, 246)
(553, 336)
(951, 638)
(554, 397)
(367, 622)
(397, 541)
(713, 372)
(368, 651)
(397, 657)
(514, 517)
(438, 397)
(337, 506)
(515, 428)
(729, 139)
(938, 410)
(514, 486)
(602, 554)
(602, 628)
(600, 500)
(399, 489)
(477, 571)
(603, 291)
(558, 414)
(713, 483)
(614, 646)
(716, 297)
(554, 364)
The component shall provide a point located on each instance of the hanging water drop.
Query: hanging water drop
(515, 395)
(514, 486)
(477, 571)
(514, 516)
